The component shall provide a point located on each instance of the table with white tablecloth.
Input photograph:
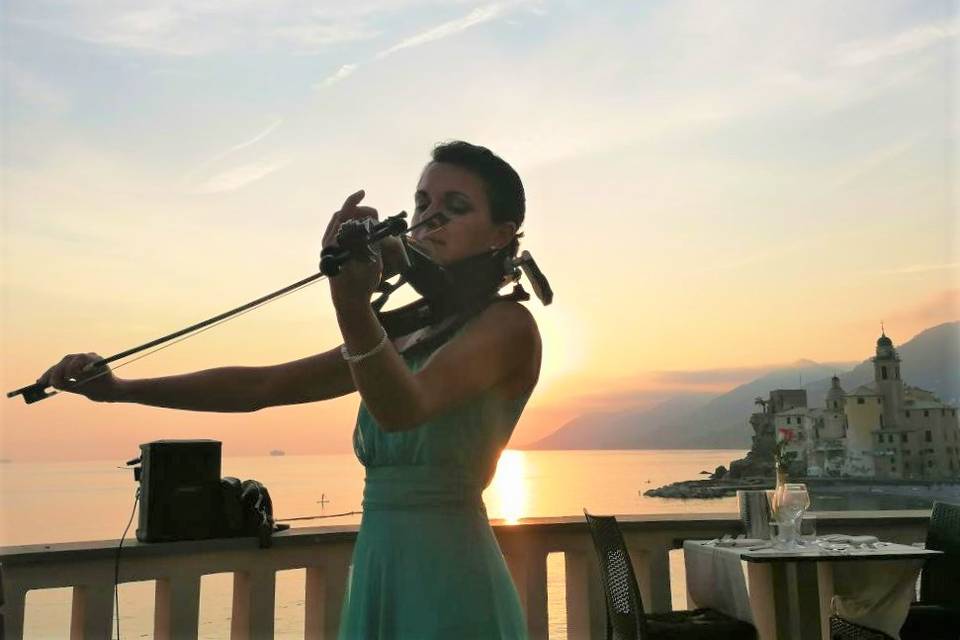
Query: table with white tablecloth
(791, 594)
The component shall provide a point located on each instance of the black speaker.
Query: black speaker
(180, 497)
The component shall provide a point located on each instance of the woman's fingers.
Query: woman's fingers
(55, 374)
(75, 367)
(71, 367)
(352, 201)
(67, 370)
(366, 212)
(349, 211)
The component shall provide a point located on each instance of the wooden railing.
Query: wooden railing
(325, 553)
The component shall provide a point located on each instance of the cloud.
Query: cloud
(313, 36)
(182, 28)
(233, 179)
(728, 376)
(341, 73)
(916, 39)
(635, 399)
(919, 268)
(186, 28)
(255, 139)
(942, 306)
(475, 17)
(864, 166)
(714, 78)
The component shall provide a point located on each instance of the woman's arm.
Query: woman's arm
(245, 389)
(224, 389)
(502, 342)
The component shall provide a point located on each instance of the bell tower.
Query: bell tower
(886, 376)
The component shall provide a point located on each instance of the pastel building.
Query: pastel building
(886, 429)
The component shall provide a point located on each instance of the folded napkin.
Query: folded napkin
(853, 540)
(741, 542)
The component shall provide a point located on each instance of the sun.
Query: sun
(562, 336)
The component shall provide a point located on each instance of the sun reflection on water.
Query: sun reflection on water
(509, 487)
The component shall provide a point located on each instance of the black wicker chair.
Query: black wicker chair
(843, 629)
(625, 617)
(937, 615)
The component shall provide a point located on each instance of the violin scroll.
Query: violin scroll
(541, 287)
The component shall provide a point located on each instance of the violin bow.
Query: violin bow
(357, 238)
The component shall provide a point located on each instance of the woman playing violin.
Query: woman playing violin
(431, 424)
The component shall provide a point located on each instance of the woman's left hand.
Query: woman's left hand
(358, 278)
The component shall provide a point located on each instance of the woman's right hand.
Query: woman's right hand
(102, 385)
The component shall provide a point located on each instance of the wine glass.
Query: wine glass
(792, 501)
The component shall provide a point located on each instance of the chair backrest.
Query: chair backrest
(940, 580)
(620, 590)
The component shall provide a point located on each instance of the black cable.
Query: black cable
(332, 515)
(116, 566)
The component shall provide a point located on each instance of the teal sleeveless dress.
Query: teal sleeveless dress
(426, 564)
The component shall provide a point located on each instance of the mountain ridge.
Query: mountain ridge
(931, 360)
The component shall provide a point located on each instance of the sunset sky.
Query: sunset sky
(713, 188)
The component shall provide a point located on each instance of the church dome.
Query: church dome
(835, 394)
(884, 341)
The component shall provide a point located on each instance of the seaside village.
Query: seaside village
(886, 429)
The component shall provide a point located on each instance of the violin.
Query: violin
(450, 295)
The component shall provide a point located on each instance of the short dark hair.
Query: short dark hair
(508, 202)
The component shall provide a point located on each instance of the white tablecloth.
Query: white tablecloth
(716, 580)
(874, 593)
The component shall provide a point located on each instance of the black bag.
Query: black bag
(247, 511)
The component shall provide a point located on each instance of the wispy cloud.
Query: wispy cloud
(915, 39)
(273, 126)
(919, 268)
(713, 377)
(941, 306)
(476, 17)
(863, 166)
(321, 35)
(447, 29)
(178, 28)
(237, 177)
(341, 73)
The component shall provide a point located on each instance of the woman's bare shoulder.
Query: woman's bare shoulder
(519, 325)
(511, 316)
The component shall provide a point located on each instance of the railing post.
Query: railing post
(176, 608)
(528, 567)
(254, 593)
(12, 603)
(586, 609)
(91, 615)
(325, 589)
(651, 564)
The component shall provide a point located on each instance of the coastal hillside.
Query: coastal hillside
(930, 361)
(620, 430)
(669, 425)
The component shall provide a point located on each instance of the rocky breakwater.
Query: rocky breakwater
(712, 488)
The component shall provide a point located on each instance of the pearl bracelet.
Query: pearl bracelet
(357, 358)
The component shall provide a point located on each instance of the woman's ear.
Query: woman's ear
(504, 233)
